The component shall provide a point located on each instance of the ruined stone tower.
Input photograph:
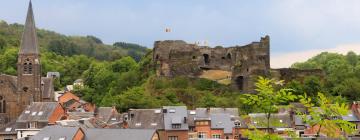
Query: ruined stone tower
(238, 66)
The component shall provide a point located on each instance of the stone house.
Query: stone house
(37, 116)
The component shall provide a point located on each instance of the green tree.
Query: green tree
(325, 117)
(270, 97)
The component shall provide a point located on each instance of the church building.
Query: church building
(17, 92)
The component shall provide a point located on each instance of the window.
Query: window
(237, 124)
(206, 59)
(202, 135)
(216, 136)
(173, 138)
(2, 105)
(176, 126)
(27, 66)
(32, 125)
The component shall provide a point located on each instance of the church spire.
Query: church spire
(29, 43)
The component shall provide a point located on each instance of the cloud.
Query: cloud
(287, 59)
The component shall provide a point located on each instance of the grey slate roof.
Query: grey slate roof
(104, 113)
(33, 112)
(47, 87)
(29, 44)
(146, 119)
(280, 120)
(56, 132)
(175, 115)
(204, 113)
(118, 134)
(222, 121)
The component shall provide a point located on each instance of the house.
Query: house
(145, 119)
(37, 116)
(175, 122)
(121, 134)
(59, 133)
(72, 103)
(217, 123)
(108, 115)
(280, 123)
(8, 132)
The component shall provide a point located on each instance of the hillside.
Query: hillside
(49, 41)
(342, 74)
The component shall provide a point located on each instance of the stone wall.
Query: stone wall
(245, 63)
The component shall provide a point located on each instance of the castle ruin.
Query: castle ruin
(240, 65)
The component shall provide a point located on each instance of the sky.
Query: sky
(298, 29)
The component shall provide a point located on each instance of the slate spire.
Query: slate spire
(29, 43)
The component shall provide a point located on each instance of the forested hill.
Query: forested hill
(342, 74)
(49, 41)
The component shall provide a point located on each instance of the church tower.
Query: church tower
(28, 65)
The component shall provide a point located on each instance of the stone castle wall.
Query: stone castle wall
(246, 63)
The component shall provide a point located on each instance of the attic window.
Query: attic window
(157, 111)
(171, 110)
(8, 129)
(33, 114)
(46, 138)
(40, 113)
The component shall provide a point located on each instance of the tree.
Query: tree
(269, 97)
(325, 118)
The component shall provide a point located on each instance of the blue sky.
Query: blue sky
(296, 27)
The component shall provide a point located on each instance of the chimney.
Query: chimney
(208, 109)
(185, 120)
(164, 110)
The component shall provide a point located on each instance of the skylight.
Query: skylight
(157, 111)
(46, 138)
(281, 121)
(153, 124)
(172, 110)
(27, 112)
(40, 113)
(33, 114)
(63, 138)
(192, 112)
(8, 129)
(138, 124)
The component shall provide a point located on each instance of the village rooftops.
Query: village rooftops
(116, 134)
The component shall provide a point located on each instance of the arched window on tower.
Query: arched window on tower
(2, 105)
(27, 66)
